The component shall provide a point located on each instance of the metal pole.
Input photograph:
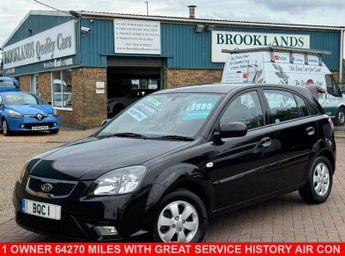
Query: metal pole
(147, 7)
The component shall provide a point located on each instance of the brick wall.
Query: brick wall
(89, 109)
(24, 83)
(183, 77)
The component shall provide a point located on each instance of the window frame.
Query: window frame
(270, 119)
(263, 108)
(52, 90)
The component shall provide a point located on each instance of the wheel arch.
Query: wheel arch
(182, 176)
(330, 157)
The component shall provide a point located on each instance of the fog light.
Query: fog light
(54, 124)
(22, 126)
(106, 230)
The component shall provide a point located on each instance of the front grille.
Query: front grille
(54, 227)
(59, 188)
(30, 125)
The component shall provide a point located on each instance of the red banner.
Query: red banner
(221, 249)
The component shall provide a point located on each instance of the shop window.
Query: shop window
(34, 84)
(62, 89)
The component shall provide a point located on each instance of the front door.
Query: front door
(244, 165)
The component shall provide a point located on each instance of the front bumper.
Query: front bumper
(26, 123)
(81, 215)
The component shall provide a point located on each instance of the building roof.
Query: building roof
(210, 21)
(173, 19)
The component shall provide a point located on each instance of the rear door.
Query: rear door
(295, 134)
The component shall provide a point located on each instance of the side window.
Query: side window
(0, 100)
(282, 105)
(332, 86)
(244, 108)
(303, 109)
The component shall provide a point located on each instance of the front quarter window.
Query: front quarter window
(170, 114)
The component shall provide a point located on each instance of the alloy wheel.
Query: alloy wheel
(178, 222)
(341, 117)
(321, 179)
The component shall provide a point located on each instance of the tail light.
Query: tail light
(330, 122)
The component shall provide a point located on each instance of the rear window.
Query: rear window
(282, 105)
(302, 106)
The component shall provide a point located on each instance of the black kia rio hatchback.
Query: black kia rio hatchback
(175, 158)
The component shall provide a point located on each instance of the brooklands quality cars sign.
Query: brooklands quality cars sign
(233, 40)
(50, 44)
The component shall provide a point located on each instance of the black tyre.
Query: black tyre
(55, 131)
(182, 217)
(340, 116)
(5, 129)
(319, 182)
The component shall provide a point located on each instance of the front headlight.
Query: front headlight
(119, 181)
(55, 112)
(14, 114)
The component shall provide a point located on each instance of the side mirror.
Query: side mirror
(233, 129)
(105, 121)
(49, 102)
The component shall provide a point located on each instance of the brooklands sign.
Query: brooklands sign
(241, 40)
(51, 44)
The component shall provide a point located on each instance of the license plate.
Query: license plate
(49, 211)
(39, 128)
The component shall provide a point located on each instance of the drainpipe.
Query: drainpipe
(341, 55)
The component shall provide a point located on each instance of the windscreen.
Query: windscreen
(171, 114)
(23, 99)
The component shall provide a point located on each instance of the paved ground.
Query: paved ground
(16, 150)
(283, 219)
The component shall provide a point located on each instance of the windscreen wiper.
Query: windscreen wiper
(125, 134)
(175, 137)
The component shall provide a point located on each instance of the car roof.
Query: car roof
(205, 88)
(2, 93)
(226, 88)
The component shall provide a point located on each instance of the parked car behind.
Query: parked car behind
(178, 157)
(23, 111)
(117, 104)
(8, 84)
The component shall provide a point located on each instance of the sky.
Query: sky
(326, 12)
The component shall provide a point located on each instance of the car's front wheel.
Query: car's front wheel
(319, 182)
(5, 129)
(182, 217)
(340, 116)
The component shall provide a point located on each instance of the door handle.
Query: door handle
(266, 142)
(310, 131)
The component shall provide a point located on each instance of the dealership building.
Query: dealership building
(79, 60)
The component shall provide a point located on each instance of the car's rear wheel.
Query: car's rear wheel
(5, 129)
(182, 217)
(319, 182)
(340, 116)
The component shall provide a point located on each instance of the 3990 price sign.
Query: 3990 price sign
(222, 249)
